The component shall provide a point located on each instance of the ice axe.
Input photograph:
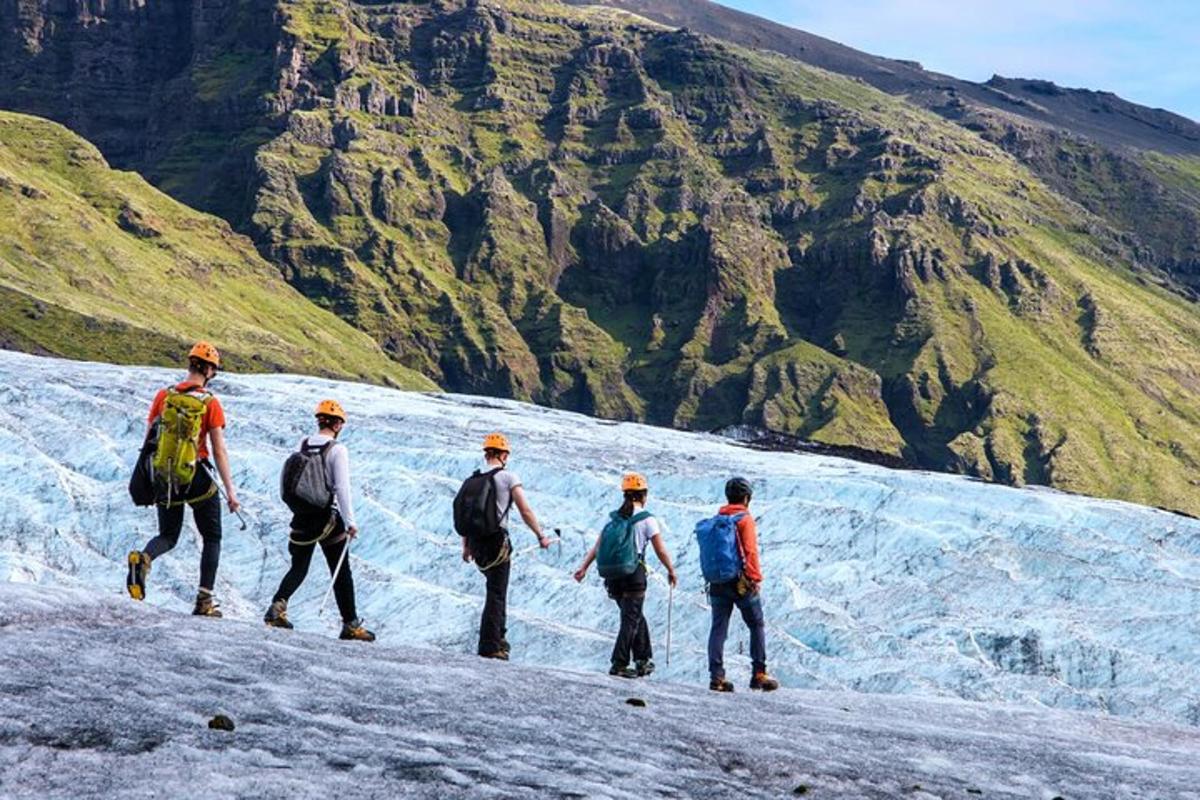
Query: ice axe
(221, 492)
(534, 547)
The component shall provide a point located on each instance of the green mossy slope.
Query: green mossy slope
(97, 264)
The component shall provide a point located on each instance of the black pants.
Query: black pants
(634, 635)
(343, 584)
(207, 515)
(493, 626)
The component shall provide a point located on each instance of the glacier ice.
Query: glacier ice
(126, 716)
(882, 581)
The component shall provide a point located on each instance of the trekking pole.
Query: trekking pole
(221, 492)
(333, 578)
(670, 606)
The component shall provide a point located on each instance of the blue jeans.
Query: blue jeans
(723, 597)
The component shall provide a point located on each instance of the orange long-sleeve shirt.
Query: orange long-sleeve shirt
(747, 536)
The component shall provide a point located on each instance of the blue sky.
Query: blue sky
(1148, 52)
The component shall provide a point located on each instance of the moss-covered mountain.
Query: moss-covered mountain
(98, 264)
(1137, 168)
(589, 210)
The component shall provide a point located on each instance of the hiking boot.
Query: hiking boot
(276, 615)
(644, 667)
(354, 631)
(622, 671)
(720, 685)
(763, 682)
(206, 605)
(499, 655)
(135, 580)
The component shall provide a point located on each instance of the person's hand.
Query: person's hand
(580, 574)
(755, 586)
(234, 505)
(352, 531)
(544, 540)
(671, 579)
(466, 553)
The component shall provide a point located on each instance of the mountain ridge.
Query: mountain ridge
(581, 208)
(1157, 128)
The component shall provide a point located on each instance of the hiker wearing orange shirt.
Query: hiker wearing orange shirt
(189, 423)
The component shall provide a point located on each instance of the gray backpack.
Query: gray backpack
(302, 484)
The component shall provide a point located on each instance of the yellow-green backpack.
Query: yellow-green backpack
(179, 438)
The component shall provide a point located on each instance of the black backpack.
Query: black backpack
(476, 517)
(142, 488)
(302, 483)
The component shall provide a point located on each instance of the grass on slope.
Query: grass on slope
(97, 264)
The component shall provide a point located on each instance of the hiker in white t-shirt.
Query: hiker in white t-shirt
(620, 551)
(485, 537)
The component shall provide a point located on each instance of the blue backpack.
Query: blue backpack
(720, 560)
(618, 556)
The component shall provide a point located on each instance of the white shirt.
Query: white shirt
(644, 531)
(337, 475)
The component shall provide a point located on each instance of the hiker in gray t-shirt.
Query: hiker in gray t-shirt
(495, 562)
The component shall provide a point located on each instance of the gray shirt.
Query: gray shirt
(505, 483)
(337, 475)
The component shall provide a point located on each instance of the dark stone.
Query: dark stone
(221, 723)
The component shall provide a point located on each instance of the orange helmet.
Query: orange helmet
(634, 482)
(331, 408)
(206, 352)
(496, 441)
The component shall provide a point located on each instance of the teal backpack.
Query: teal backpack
(618, 556)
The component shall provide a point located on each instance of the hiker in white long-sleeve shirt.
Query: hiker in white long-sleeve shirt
(331, 527)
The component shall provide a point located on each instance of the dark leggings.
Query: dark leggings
(207, 515)
(343, 585)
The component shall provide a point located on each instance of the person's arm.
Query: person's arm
(518, 498)
(339, 464)
(216, 438)
(660, 550)
(587, 561)
(747, 533)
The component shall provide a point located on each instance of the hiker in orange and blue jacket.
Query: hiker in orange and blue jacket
(743, 592)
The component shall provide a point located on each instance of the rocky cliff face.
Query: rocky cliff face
(586, 209)
(1137, 168)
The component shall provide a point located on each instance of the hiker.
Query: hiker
(620, 553)
(729, 561)
(184, 422)
(322, 513)
(481, 510)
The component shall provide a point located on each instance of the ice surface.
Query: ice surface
(877, 581)
(101, 697)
